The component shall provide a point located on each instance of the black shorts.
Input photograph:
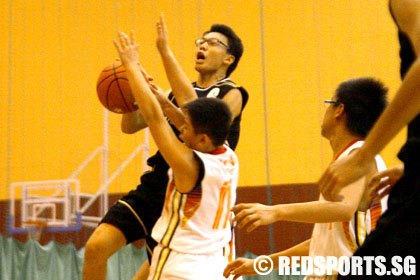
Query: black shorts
(136, 213)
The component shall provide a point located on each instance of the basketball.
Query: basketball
(114, 90)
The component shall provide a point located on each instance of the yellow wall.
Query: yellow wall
(51, 119)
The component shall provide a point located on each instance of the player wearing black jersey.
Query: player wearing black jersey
(133, 216)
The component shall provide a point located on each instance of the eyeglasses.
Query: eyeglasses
(328, 102)
(211, 42)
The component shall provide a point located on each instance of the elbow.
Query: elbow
(127, 131)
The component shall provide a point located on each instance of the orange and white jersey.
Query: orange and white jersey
(199, 222)
(343, 238)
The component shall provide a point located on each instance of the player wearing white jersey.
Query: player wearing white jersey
(342, 238)
(196, 226)
(200, 162)
(349, 116)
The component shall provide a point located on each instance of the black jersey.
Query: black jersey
(136, 213)
(157, 178)
(410, 152)
(408, 56)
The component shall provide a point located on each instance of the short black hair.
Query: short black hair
(210, 116)
(234, 42)
(364, 100)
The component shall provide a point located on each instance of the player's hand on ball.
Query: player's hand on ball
(162, 41)
(127, 48)
(239, 267)
(253, 215)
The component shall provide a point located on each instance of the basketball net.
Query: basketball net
(35, 229)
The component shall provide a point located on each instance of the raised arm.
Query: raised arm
(403, 108)
(132, 122)
(179, 157)
(173, 113)
(181, 86)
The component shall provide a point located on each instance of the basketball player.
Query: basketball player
(194, 226)
(133, 217)
(339, 226)
(398, 230)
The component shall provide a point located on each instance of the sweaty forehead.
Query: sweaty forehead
(216, 35)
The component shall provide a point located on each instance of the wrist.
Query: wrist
(279, 212)
(165, 52)
(130, 65)
(363, 155)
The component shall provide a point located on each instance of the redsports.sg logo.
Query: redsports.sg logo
(319, 265)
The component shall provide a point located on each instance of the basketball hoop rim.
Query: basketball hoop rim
(41, 225)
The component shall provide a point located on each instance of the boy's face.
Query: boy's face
(187, 134)
(328, 121)
(211, 52)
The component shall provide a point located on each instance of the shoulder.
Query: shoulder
(231, 88)
(223, 155)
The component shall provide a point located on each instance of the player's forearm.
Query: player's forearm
(180, 84)
(132, 122)
(173, 113)
(403, 108)
(315, 212)
(302, 249)
(147, 103)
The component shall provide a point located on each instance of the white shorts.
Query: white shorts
(170, 264)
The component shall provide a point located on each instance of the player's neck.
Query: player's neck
(339, 141)
(207, 79)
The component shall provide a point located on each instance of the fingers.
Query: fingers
(133, 37)
(239, 207)
(117, 45)
(382, 184)
(253, 226)
(163, 23)
(124, 40)
(237, 268)
(230, 267)
(384, 193)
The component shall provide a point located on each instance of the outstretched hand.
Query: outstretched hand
(384, 181)
(162, 41)
(253, 215)
(240, 267)
(127, 48)
(342, 173)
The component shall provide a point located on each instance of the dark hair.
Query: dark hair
(364, 100)
(234, 42)
(210, 116)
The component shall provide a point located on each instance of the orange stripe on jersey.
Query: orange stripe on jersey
(228, 203)
(350, 242)
(223, 191)
(375, 213)
(191, 205)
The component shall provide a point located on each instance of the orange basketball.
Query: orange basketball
(113, 89)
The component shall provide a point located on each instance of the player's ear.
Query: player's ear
(339, 110)
(204, 140)
(229, 59)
